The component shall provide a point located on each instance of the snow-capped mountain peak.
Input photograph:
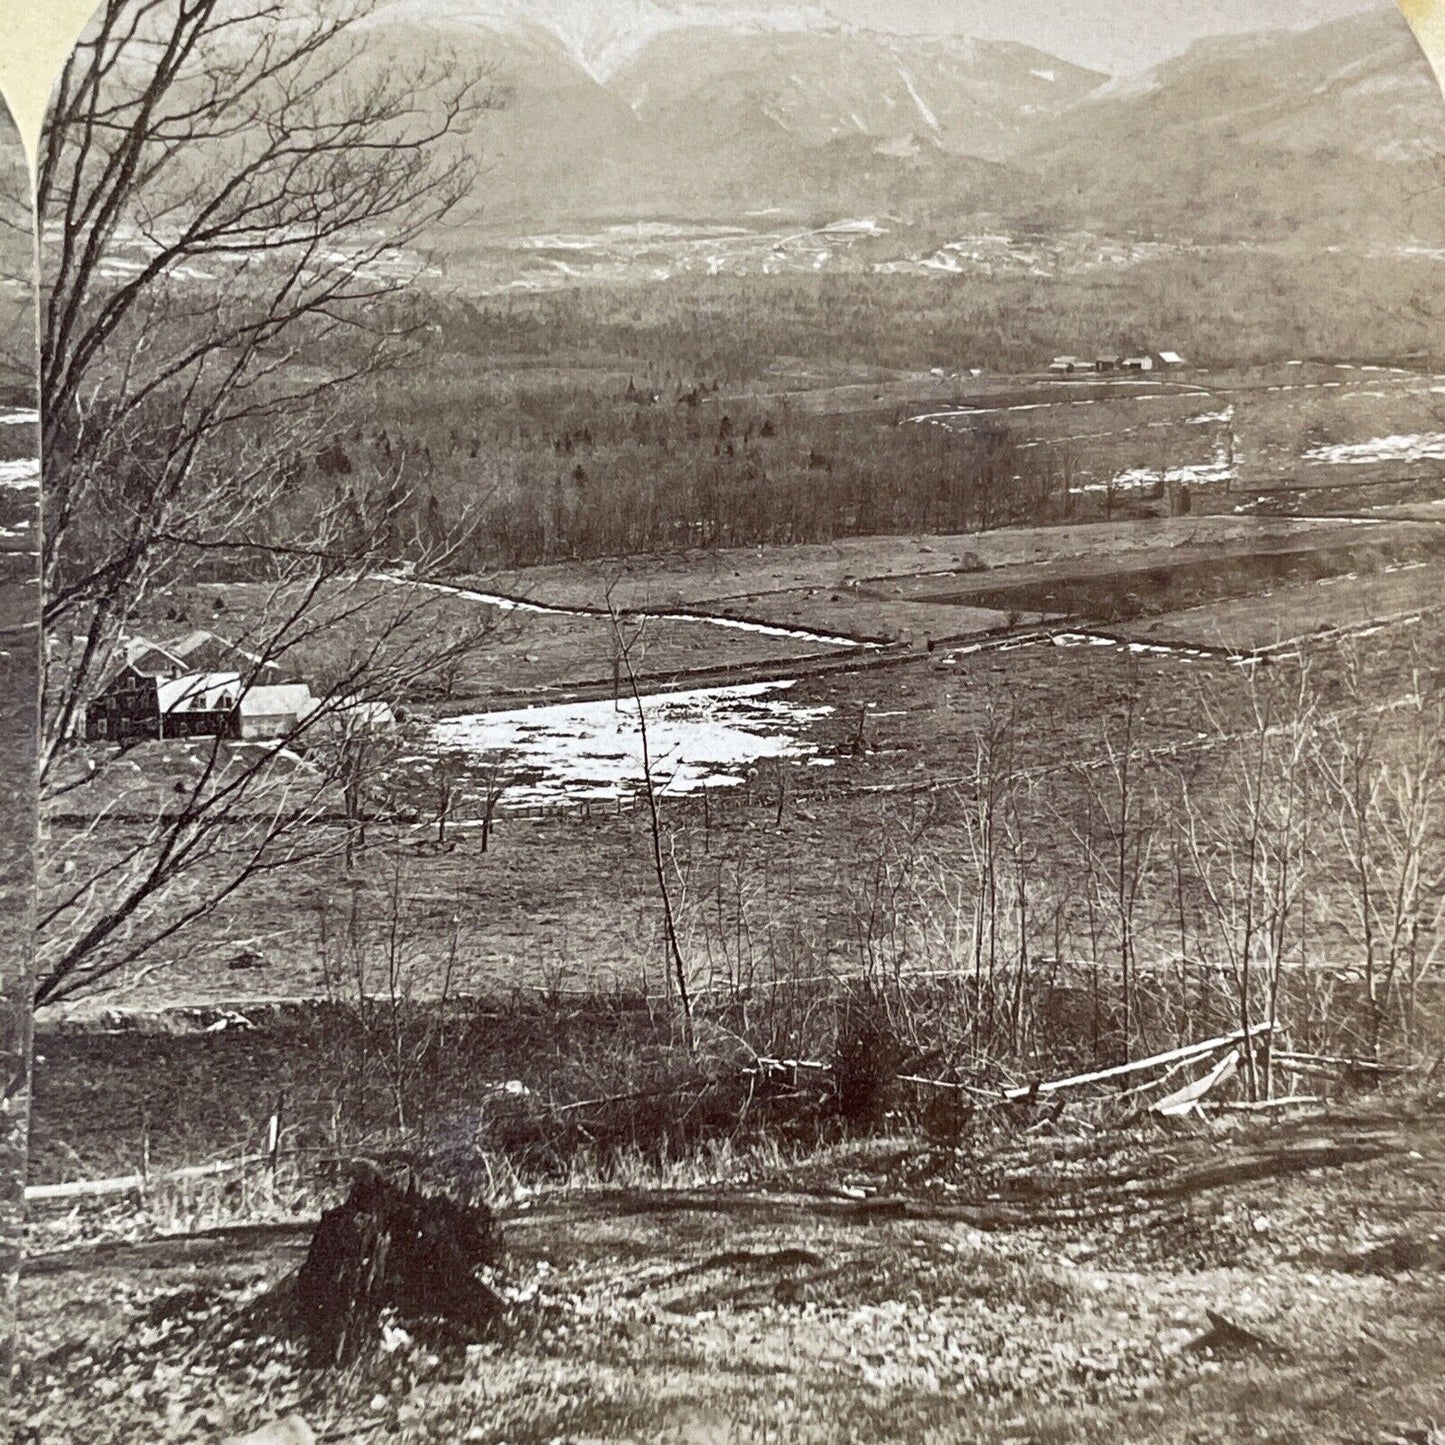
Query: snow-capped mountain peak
(604, 35)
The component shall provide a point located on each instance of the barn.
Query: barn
(153, 681)
(127, 702)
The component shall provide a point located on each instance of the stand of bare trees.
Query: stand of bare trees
(230, 197)
(1285, 880)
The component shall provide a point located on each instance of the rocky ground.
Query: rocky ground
(1257, 1277)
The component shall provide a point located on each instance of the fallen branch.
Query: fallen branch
(1178, 1058)
(1186, 1100)
(1245, 1106)
(1331, 1062)
(136, 1183)
(632, 1096)
(1156, 1061)
(778, 1066)
(1149, 1084)
(950, 1085)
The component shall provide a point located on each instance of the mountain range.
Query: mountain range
(692, 109)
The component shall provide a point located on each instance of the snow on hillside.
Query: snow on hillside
(603, 38)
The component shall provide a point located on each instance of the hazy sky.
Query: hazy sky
(1113, 35)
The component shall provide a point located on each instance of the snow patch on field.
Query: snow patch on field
(593, 751)
(1421, 447)
(1221, 468)
(1139, 649)
(21, 475)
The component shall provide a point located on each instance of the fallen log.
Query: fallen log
(1189, 1053)
(1329, 1062)
(135, 1183)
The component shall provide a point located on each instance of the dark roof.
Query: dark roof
(151, 659)
(197, 651)
(206, 652)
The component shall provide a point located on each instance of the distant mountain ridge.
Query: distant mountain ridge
(603, 38)
(692, 108)
(1333, 130)
(967, 97)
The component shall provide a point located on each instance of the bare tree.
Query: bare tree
(1117, 839)
(629, 638)
(230, 195)
(1384, 776)
(19, 675)
(1247, 842)
(992, 782)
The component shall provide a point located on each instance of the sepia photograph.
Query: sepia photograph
(726, 723)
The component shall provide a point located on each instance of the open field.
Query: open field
(503, 650)
(1164, 576)
(699, 580)
(1307, 424)
(1348, 603)
(786, 758)
(785, 844)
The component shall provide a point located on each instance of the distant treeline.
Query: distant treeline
(583, 472)
(600, 421)
(1226, 306)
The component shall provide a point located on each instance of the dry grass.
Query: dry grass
(658, 1314)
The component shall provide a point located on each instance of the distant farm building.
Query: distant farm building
(128, 703)
(368, 715)
(198, 687)
(275, 711)
(198, 703)
(172, 689)
(1140, 361)
(202, 651)
(350, 715)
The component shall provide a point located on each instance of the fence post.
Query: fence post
(273, 1134)
(145, 1150)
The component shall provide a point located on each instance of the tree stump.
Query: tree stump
(389, 1248)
